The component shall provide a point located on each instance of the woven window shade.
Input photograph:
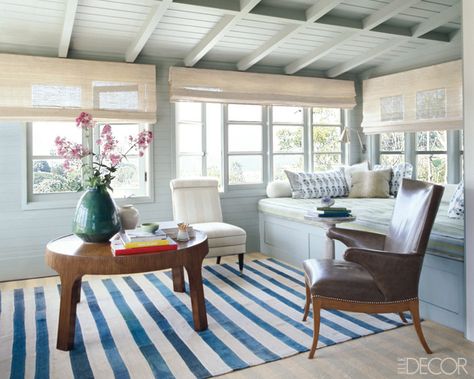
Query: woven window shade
(429, 98)
(216, 86)
(47, 89)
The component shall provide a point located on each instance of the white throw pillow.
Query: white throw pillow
(399, 172)
(349, 170)
(315, 185)
(279, 188)
(456, 205)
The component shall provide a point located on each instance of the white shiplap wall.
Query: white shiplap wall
(24, 233)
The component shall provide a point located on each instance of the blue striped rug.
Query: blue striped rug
(137, 327)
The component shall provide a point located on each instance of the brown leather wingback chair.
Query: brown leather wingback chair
(379, 273)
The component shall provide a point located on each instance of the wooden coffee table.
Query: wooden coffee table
(72, 258)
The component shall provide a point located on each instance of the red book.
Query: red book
(119, 249)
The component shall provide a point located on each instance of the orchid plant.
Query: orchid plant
(99, 168)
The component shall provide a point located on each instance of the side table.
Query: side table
(328, 223)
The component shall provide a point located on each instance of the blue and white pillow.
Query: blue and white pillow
(315, 185)
(399, 172)
(456, 205)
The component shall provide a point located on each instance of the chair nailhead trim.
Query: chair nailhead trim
(365, 302)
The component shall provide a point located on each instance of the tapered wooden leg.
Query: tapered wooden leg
(308, 302)
(241, 262)
(415, 315)
(76, 291)
(218, 260)
(402, 317)
(178, 278)
(316, 320)
(196, 292)
(70, 294)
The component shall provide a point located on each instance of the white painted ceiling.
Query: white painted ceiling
(334, 37)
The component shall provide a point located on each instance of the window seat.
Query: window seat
(447, 236)
(286, 235)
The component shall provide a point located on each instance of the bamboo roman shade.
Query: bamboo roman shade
(39, 88)
(216, 86)
(429, 98)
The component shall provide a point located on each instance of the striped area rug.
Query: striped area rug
(137, 327)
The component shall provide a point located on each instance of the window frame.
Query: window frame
(418, 153)
(453, 152)
(32, 201)
(394, 152)
(272, 153)
(312, 125)
(267, 153)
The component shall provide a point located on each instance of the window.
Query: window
(47, 171)
(199, 140)
(48, 177)
(287, 140)
(326, 131)
(431, 156)
(245, 144)
(392, 148)
(233, 143)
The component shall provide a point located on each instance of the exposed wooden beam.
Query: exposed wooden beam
(423, 28)
(68, 23)
(265, 49)
(319, 9)
(318, 53)
(426, 56)
(361, 59)
(275, 14)
(154, 17)
(214, 36)
(440, 19)
(387, 12)
(313, 13)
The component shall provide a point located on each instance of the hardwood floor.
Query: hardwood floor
(376, 356)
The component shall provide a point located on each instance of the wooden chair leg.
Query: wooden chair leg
(218, 260)
(308, 302)
(241, 262)
(402, 316)
(415, 315)
(316, 320)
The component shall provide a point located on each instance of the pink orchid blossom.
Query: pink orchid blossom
(104, 164)
(85, 121)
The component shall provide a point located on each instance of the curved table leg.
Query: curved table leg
(196, 292)
(177, 274)
(70, 296)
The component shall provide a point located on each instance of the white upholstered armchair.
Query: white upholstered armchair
(196, 201)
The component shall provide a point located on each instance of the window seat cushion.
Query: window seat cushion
(447, 236)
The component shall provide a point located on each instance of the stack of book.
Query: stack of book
(137, 242)
(334, 212)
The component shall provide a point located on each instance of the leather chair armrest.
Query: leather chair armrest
(357, 238)
(395, 274)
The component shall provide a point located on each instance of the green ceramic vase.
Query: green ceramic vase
(96, 218)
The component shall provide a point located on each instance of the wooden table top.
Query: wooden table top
(71, 245)
(70, 254)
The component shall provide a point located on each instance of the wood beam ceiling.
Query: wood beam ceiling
(68, 23)
(218, 32)
(154, 17)
(313, 13)
(442, 18)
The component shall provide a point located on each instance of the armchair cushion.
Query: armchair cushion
(341, 280)
(357, 238)
(395, 274)
(220, 234)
